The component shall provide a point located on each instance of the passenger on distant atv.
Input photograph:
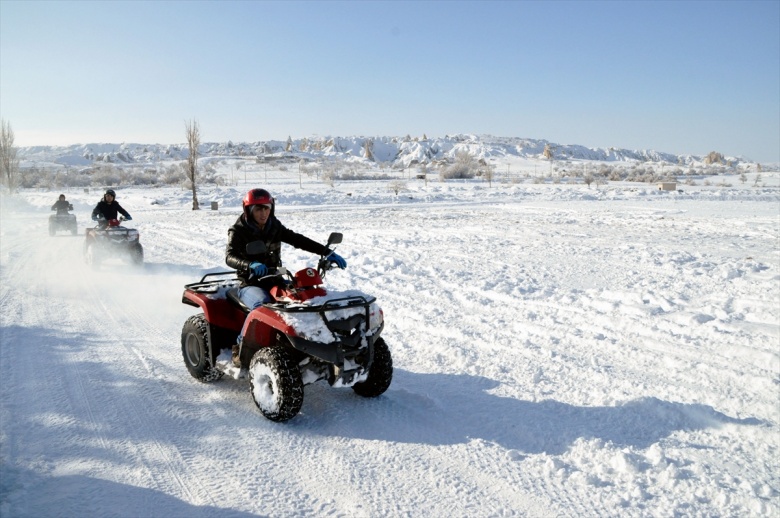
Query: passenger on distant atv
(108, 208)
(62, 206)
(258, 223)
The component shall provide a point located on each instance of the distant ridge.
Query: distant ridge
(395, 151)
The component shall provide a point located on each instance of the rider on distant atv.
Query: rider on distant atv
(109, 208)
(62, 206)
(258, 223)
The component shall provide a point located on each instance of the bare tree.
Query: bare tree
(549, 154)
(488, 173)
(588, 179)
(465, 166)
(193, 142)
(9, 164)
(397, 186)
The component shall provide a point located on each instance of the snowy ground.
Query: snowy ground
(558, 351)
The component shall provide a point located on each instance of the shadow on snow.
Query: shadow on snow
(28, 493)
(441, 409)
(87, 400)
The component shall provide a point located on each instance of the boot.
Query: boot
(237, 355)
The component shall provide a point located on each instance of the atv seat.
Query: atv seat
(232, 296)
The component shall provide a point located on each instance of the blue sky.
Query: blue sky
(680, 77)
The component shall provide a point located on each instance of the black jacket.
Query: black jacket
(62, 206)
(109, 210)
(273, 235)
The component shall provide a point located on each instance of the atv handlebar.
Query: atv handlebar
(281, 271)
(324, 265)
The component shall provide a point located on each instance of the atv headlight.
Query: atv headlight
(376, 317)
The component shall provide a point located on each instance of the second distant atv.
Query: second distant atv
(109, 239)
(63, 219)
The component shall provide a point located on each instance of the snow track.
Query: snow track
(552, 358)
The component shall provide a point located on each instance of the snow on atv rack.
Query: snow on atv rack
(352, 322)
(213, 285)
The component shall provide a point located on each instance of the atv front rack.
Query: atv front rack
(349, 333)
(341, 328)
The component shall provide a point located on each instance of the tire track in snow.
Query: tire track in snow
(60, 398)
(86, 398)
(438, 289)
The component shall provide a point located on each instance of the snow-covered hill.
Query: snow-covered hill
(394, 151)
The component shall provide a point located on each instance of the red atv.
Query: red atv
(305, 334)
(110, 239)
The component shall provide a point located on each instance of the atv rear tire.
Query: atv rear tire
(275, 383)
(379, 375)
(194, 348)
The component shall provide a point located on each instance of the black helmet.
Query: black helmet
(111, 192)
(62, 196)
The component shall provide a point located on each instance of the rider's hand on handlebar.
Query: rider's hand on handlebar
(337, 260)
(258, 269)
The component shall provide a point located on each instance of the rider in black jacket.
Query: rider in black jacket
(62, 206)
(258, 223)
(109, 208)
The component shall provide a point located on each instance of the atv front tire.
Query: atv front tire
(379, 375)
(275, 383)
(137, 254)
(194, 348)
(92, 255)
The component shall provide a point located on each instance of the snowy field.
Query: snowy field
(559, 350)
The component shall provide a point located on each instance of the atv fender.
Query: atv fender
(262, 325)
(218, 311)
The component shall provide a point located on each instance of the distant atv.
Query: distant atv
(304, 335)
(62, 221)
(109, 239)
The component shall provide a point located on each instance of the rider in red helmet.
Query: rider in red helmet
(258, 223)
